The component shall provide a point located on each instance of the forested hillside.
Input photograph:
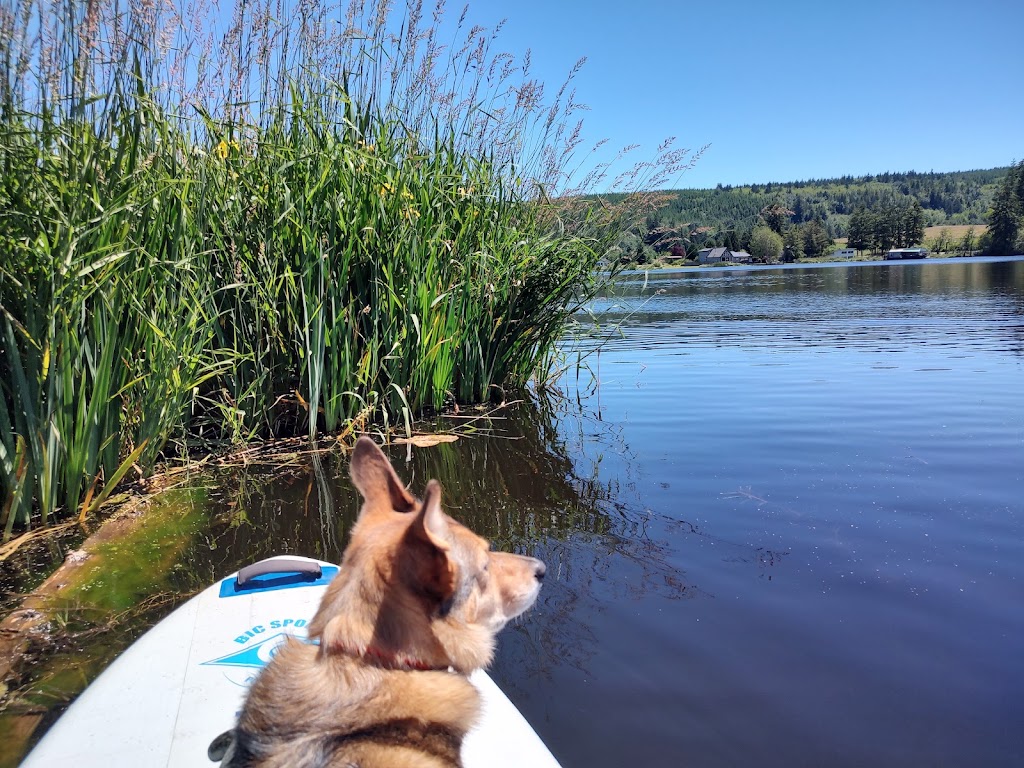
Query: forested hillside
(727, 215)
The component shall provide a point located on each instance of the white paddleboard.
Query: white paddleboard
(166, 698)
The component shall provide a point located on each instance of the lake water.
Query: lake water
(781, 512)
(823, 564)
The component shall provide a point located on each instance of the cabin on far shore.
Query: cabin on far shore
(719, 255)
(907, 253)
(844, 253)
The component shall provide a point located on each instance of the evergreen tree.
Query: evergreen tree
(731, 241)
(816, 239)
(1004, 218)
(1018, 247)
(744, 237)
(1018, 172)
(858, 235)
(886, 227)
(913, 224)
(793, 244)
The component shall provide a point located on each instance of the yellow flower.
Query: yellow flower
(410, 214)
(387, 189)
(224, 148)
(407, 194)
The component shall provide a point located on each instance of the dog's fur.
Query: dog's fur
(415, 608)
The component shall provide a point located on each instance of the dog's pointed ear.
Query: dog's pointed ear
(437, 572)
(431, 525)
(375, 478)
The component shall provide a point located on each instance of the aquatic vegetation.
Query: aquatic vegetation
(139, 562)
(120, 583)
(323, 213)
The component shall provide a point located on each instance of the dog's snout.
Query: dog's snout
(539, 570)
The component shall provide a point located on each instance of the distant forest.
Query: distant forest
(727, 215)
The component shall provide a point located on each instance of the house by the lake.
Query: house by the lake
(907, 253)
(844, 253)
(719, 255)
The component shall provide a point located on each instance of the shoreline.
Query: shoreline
(823, 262)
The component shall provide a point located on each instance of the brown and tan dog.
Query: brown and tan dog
(415, 608)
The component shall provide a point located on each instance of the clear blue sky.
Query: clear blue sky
(787, 90)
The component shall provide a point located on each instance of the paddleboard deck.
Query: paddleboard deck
(171, 693)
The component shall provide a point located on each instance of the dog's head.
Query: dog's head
(417, 589)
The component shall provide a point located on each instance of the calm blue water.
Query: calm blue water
(817, 549)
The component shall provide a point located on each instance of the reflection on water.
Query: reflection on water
(513, 481)
(887, 307)
(782, 522)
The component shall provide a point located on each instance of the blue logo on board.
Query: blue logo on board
(256, 655)
(259, 643)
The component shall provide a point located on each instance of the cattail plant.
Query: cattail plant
(220, 226)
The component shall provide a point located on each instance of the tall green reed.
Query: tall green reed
(94, 363)
(212, 237)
